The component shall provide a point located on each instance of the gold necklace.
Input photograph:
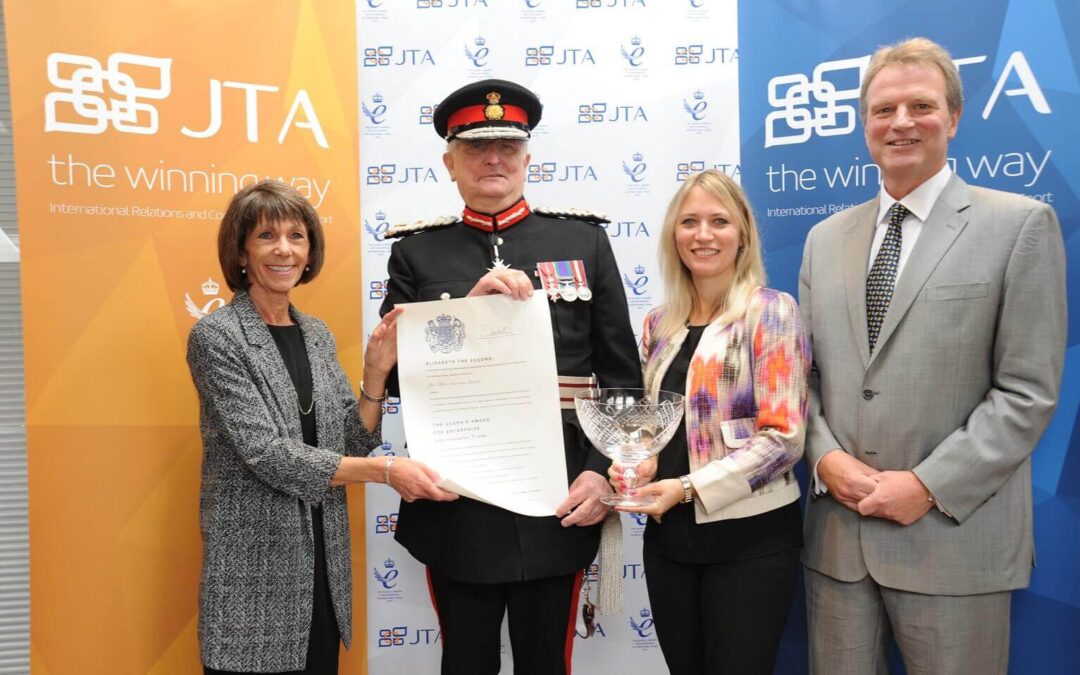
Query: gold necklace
(310, 405)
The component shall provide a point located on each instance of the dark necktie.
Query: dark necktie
(882, 277)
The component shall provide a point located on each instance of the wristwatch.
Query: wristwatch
(687, 490)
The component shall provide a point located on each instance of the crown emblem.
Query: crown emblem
(210, 287)
(638, 156)
(480, 41)
(389, 564)
(636, 41)
(645, 613)
(377, 98)
(380, 215)
(387, 446)
(699, 95)
(640, 269)
(493, 110)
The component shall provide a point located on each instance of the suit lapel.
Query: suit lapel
(856, 259)
(268, 361)
(944, 224)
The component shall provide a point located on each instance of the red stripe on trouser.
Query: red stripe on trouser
(568, 652)
(434, 604)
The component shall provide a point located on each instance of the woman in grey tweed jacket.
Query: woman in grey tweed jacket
(282, 434)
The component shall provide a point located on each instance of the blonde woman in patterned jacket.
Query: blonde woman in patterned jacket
(722, 545)
(282, 433)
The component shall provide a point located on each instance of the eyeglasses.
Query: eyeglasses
(504, 147)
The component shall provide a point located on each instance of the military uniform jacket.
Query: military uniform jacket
(471, 541)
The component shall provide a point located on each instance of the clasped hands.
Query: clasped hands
(898, 496)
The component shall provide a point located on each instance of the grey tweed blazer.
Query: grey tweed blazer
(258, 477)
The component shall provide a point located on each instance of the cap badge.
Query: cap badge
(494, 110)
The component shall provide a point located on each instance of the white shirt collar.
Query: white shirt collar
(920, 200)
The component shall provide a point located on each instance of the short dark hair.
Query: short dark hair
(268, 201)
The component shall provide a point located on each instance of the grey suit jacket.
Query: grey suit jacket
(962, 382)
(257, 478)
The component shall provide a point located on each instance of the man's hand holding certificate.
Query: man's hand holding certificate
(481, 399)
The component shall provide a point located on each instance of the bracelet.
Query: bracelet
(687, 489)
(386, 469)
(368, 397)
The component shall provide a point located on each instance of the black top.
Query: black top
(677, 536)
(290, 342)
(323, 640)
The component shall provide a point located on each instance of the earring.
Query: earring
(307, 268)
(243, 270)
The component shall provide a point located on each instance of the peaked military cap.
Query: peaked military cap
(488, 109)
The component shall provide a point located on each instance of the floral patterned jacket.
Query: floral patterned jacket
(745, 405)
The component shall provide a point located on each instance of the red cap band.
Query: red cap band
(475, 113)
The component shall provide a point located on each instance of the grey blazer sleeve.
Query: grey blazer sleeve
(819, 438)
(972, 463)
(236, 415)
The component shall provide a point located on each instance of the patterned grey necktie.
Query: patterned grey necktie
(882, 277)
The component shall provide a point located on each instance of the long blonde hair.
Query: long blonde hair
(749, 268)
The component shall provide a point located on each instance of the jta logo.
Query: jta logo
(377, 231)
(697, 4)
(684, 170)
(377, 112)
(479, 57)
(378, 289)
(640, 519)
(85, 89)
(643, 629)
(384, 174)
(790, 94)
(532, 4)
(427, 114)
(210, 290)
(387, 579)
(636, 53)
(550, 55)
(83, 82)
(805, 106)
(696, 111)
(633, 570)
(626, 228)
(597, 113)
(383, 55)
(636, 171)
(398, 636)
(391, 406)
(393, 637)
(694, 55)
(637, 285)
(386, 523)
(548, 172)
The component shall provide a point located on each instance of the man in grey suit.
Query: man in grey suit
(938, 330)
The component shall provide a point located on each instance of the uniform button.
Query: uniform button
(867, 394)
(445, 296)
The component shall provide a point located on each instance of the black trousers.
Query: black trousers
(540, 617)
(721, 618)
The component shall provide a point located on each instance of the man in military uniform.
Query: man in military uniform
(482, 560)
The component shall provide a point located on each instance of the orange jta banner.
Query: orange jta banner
(134, 123)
